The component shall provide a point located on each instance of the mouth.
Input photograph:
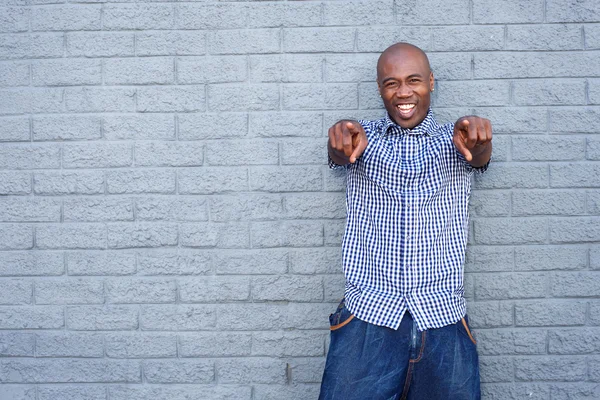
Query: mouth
(406, 110)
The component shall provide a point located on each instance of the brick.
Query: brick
(196, 126)
(15, 292)
(292, 392)
(176, 154)
(315, 205)
(105, 318)
(378, 38)
(210, 16)
(123, 235)
(168, 262)
(170, 43)
(140, 181)
(549, 92)
(179, 371)
(513, 175)
(211, 69)
(471, 93)
(15, 183)
(334, 232)
(14, 129)
(178, 317)
(140, 345)
(69, 291)
(135, 290)
(512, 11)
(569, 175)
(550, 368)
(180, 392)
(573, 230)
(287, 288)
(299, 96)
(534, 64)
(38, 45)
(217, 235)
(369, 96)
(229, 152)
(100, 44)
(507, 342)
(318, 40)
(63, 73)
(287, 234)
(288, 14)
(266, 316)
(16, 237)
(565, 11)
(510, 286)
(29, 210)
(143, 127)
(31, 264)
(19, 392)
(45, 317)
(66, 128)
(286, 68)
(571, 284)
(432, 12)
(595, 258)
(254, 41)
(69, 370)
(286, 124)
(515, 120)
(251, 370)
(592, 36)
(543, 37)
(550, 313)
(72, 392)
(71, 236)
(593, 91)
(468, 38)
(490, 314)
(285, 179)
(515, 391)
(486, 203)
(292, 344)
(594, 366)
(252, 97)
(545, 202)
(88, 99)
(358, 12)
(171, 99)
(451, 66)
(251, 262)
(549, 148)
(171, 209)
(139, 71)
(576, 119)
(16, 344)
(349, 68)
(496, 369)
(90, 263)
(58, 183)
(247, 207)
(69, 344)
(29, 156)
(578, 390)
(307, 370)
(210, 344)
(307, 151)
(594, 315)
(334, 180)
(316, 261)
(212, 180)
(138, 16)
(539, 258)
(14, 19)
(573, 341)
(97, 155)
(14, 74)
(510, 231)
(70, 17)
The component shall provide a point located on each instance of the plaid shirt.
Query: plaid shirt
(407, 223)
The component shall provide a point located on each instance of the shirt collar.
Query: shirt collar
(428, 126)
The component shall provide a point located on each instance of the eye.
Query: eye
(391, 85)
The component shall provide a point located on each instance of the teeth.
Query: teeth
(406, 107)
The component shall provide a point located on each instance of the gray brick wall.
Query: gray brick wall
(169, 228)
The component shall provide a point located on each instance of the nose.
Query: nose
(403, 91)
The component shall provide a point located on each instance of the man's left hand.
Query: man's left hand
(473, 139)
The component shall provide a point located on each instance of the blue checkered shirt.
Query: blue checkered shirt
(407, 222)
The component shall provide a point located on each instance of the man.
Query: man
(402, 332)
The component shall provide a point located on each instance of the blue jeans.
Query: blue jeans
(370, 362)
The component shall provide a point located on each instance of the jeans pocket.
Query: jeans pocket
(464, 324)
(341, 317)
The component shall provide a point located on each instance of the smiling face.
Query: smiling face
(405, 81)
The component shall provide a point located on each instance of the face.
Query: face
(405, 82)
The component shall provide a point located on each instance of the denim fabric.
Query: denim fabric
(370, 362)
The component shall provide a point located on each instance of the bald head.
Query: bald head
(402, 51)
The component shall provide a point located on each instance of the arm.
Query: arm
(473, 139)
(347, 141)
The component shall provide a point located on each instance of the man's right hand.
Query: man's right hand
(347, 141)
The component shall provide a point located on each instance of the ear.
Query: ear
(431, 82)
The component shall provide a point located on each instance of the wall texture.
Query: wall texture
(169, 228)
